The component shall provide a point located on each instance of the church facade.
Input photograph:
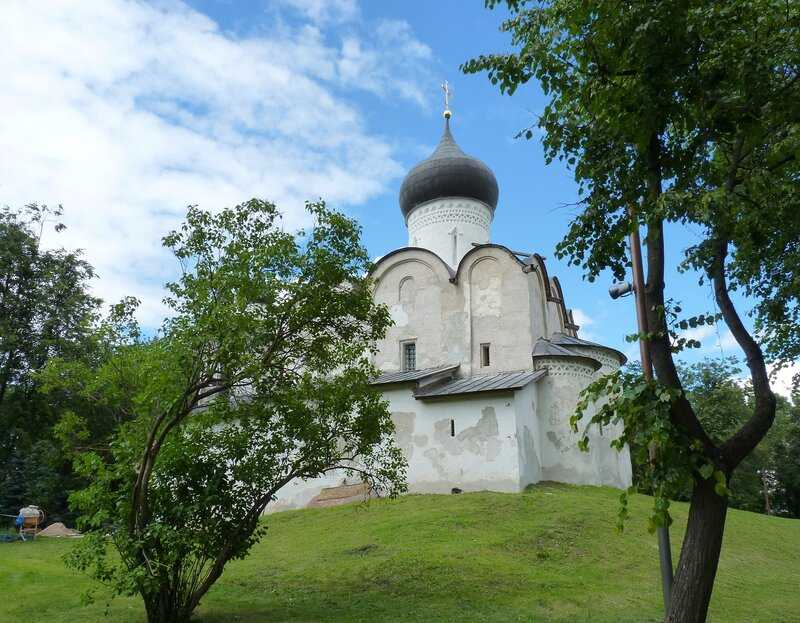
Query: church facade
(483, 365)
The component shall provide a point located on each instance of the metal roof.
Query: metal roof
(504, 381)
(547, 348)
(448, 172)
(411, 375)
(569, 340)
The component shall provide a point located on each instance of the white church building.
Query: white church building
(483, 365)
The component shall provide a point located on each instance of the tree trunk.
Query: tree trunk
(165, 607)
(765, 487)
(697, 567)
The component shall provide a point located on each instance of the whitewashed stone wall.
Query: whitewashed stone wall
(482, 454)
(449, 226)
(562, 460)
(495, 446)
(614, 467)
(490, 300)
(502, 442)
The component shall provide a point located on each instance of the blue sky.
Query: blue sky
(127, 111)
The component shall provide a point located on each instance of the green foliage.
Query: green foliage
(711, 91)
(643, 410)
(723, 404)
(45, 311)
(681, 112)
(258, 378)
(784, 464)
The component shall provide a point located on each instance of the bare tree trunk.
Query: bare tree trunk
(765, 488)
(697, 567)
(6, 375)
(166, 606)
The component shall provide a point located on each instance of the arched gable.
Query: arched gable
(414, 254)
(415, 286)
(469, 255)
(498, 297)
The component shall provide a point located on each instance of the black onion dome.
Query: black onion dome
(448, 172)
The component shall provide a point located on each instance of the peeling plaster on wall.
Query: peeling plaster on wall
(492, 304)
(399, 315)
(497, 294)
(436, 456)
(485, 281)
(483, 450)
(531, 471)
(528, 435)
(455, 327)
(562, 460)
(403, 431)
(441, 436)
(493, 448)
(420, 440)
(555, 440)
(415, 291)
(482, 438)
(611, 466)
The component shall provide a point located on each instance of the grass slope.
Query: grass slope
(548, 555)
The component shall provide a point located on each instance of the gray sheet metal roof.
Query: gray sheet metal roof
(504, 381)
(569, 340)
(411, 375)
(546, 348)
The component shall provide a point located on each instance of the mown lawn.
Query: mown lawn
(548, 555)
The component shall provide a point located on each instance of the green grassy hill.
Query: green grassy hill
(548, 555)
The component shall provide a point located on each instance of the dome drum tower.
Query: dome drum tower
(448, 201)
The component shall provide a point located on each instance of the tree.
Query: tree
(723, 404)
(259, 377)
(784, 466)
(46, 310)
(686, 112)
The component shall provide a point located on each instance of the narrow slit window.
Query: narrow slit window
(452, 428)
(409, 356)
(485, 361)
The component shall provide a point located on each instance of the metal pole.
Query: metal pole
(664, 548)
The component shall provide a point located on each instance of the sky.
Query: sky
(125, 112)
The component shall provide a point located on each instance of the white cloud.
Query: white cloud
(360, 66)
(585, 322)
(726, 345)
(323, 11)
(781, 380)
(716, 340)
(727, 342)
(699, 333)
(126, 112)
